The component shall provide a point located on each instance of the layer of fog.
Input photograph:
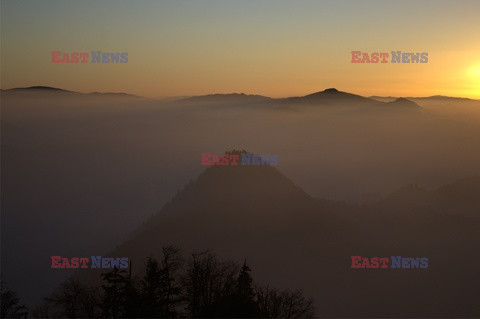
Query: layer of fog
(80, 172)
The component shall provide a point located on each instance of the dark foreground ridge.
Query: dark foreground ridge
(294, 240)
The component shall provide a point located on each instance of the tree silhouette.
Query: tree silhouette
(206, 287)
(284, 304)
(240, 303)
(244, 282)
(207, 280)
(160, 288)
(10, 304)
(114, 293)
(151, 289)
(172, 263)
(132, 297)
(71, 300)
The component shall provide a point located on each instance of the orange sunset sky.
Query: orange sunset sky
(272, 48)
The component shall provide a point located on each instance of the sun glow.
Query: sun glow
(474, 71)
(473, 74)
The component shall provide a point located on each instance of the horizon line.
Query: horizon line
(230, 93)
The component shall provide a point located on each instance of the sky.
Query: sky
(273, 48)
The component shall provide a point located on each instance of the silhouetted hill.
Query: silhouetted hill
(235, 197)
(465, 190)
(237, 211)
(38, 88)
(404, 104)
(295, 240)
(115, 94)
(52, 91)
(383, 98)
(332, 97)
(461, 198)
(440, 98)
(444, 98)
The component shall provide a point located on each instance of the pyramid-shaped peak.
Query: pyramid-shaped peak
(405, 103)
(333, 96)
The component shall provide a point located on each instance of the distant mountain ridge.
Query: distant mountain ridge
(462, 195)
(330, 96)
(40, 88)
(324, 96)
(53, 90)
(433, 97)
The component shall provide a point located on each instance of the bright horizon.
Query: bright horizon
(271, 48)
